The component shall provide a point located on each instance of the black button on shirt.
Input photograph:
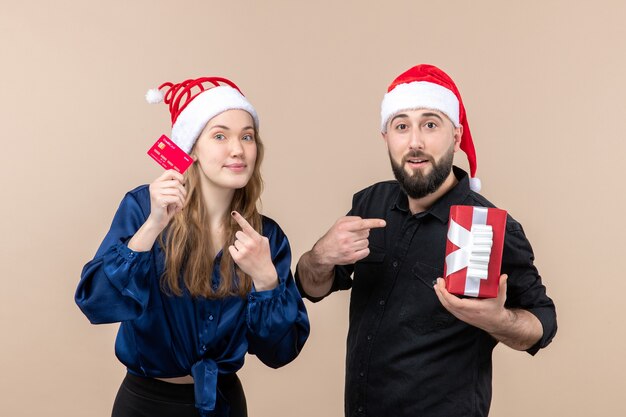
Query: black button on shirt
(411, 357)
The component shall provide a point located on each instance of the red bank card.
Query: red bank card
(474, 251)
(169, 155)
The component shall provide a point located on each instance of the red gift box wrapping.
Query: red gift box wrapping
(474, 251)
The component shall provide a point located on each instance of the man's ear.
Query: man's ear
(458, 134)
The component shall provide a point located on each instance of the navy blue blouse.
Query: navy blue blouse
(168, 336)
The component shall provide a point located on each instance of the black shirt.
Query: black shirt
(406, 354)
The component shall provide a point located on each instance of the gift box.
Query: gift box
(474, 251)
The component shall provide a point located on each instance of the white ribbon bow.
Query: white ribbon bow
(474, 250)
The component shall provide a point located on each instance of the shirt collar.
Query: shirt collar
(441, 208)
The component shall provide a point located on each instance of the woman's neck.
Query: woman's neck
(217, 202)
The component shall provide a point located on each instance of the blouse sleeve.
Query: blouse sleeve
(278, 325)
(114, 285)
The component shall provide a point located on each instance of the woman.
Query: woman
(196, 276)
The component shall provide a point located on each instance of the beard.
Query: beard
(419, 185)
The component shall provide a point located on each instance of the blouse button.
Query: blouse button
(211, 317)
(395, 264)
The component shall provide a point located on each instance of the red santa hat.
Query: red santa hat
(427, 87)
(193, 103)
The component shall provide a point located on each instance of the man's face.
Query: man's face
(421, 145)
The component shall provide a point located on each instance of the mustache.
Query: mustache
(417, 154)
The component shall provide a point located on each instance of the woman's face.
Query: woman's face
(226, 150)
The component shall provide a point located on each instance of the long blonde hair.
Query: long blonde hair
(187, 239)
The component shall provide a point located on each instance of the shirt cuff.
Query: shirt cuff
(546, 317)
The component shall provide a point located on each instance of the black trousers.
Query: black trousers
(149, 397)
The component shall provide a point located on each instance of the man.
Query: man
(413, 348)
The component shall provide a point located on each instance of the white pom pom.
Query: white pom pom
(475, 184)
(154, 96)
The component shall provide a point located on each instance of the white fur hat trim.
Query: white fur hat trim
(419, 95)
(208, 104)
